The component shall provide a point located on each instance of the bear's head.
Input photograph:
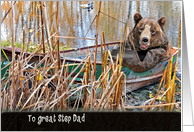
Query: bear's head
(148, 33)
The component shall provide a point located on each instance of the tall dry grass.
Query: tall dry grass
(50, 86)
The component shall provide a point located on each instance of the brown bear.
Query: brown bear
(150, 41)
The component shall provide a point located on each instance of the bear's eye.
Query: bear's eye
(140, 29)
(153, 31)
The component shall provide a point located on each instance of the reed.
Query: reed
(97, 29)
(5, 55)
(173, 84)
(8, 12)
(131, 33)
(41, 95)
(148, 106)
(57, 41)
(43, 44)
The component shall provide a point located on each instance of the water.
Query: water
(74, 21)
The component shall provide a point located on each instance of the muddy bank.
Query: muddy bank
(140, 96)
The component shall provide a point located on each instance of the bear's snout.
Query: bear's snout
(144, 43)
(145, 40)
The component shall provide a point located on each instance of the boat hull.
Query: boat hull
(134, 80)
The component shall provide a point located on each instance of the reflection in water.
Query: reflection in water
(75, 21)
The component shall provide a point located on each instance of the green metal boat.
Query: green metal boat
(134, 80)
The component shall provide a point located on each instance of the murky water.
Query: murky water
(75, 21)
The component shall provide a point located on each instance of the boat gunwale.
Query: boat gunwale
(107, 44)
(132, 80)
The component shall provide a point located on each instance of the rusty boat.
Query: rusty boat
(134, 80)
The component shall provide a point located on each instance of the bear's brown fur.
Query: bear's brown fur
(151, 44)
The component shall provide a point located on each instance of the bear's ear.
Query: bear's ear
(162, 22)
(137, 17)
